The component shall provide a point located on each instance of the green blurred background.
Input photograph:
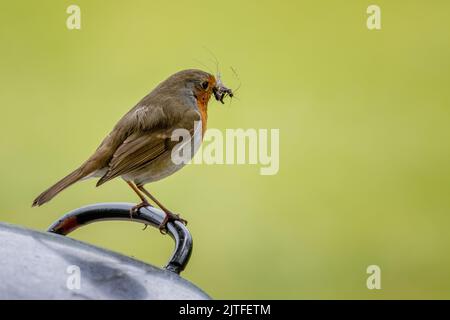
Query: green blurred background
(364, 136)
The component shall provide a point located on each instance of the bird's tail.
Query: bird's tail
(65, 182)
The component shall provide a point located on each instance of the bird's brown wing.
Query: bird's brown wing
(147, 115)
(143, 147)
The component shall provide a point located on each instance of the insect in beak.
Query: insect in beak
(220, 91)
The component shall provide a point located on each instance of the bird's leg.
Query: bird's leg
(144, 202)
(169, 215)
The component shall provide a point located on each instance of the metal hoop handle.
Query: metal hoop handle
(121, 211)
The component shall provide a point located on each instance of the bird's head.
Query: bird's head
(200, 84)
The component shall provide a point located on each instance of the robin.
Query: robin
(139, 147)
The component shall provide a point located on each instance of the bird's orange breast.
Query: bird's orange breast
(202, 102)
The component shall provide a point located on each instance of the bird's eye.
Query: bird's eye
(205, 85)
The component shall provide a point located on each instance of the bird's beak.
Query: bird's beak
(220, 92)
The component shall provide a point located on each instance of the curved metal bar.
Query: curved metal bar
(121, 211)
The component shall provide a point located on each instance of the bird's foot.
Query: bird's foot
(135, 210)
(169, 218)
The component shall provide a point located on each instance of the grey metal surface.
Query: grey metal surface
(37, 265)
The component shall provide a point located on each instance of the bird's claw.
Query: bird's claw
(134, 211)
(169, 218)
